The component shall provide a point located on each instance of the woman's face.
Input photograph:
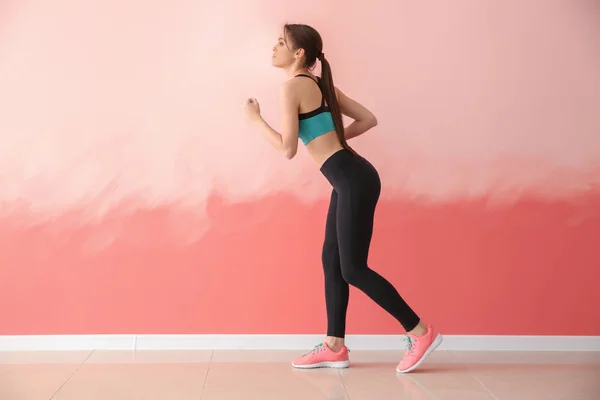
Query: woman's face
(283, 56)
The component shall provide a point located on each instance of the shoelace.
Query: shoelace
(409, 343)
(320, 347)
(316, 349)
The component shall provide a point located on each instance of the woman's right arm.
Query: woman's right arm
(363, 118)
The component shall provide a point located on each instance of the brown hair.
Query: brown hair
(307, 38)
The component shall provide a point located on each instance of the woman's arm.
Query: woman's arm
(287, 141)
(363, 118)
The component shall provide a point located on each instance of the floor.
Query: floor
(265, 375)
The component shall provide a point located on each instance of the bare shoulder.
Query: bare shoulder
(290, 88)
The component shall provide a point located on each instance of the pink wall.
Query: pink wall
(121, 141)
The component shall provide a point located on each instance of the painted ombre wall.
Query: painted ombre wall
(135, 198)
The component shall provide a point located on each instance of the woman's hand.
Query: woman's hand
(251, 109)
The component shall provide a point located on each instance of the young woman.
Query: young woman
(312, 109)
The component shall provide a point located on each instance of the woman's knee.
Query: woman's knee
(352, 273)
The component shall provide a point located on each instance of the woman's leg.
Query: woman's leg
(336, 288)
(357, 198)
(333, 353)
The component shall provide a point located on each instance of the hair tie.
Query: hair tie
(321, 56)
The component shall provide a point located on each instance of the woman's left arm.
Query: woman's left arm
(285, 142)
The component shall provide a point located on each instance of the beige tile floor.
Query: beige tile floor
(265, 375)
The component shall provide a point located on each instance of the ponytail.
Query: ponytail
(332, 102)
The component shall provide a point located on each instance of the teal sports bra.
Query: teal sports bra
(315, 123)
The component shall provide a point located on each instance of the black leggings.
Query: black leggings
(356, 189)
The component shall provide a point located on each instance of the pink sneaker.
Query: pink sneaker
(418, 348)
(323, 357)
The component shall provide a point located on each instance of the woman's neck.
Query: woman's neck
(293, 71)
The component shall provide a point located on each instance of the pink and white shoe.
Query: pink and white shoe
(321, 356)
(418, 348)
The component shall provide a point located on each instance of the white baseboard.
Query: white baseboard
(287, 342)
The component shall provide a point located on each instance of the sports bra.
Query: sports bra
(317, 122)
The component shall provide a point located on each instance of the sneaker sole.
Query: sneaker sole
(326, 364)
(434, 345)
